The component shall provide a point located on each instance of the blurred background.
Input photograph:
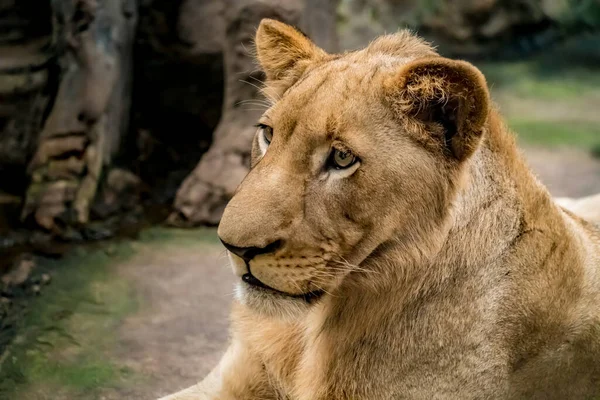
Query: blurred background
(125, 127)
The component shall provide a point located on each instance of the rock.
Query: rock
(45, 279)
(20, 273)
(53, 148)
(70, 234)
(42, 279)
(5, 306)
(25, 32)
(121, 191)
(90, 109)
(178, 90)
(36, 289)
(72, 167)
(97, 231)
(121, 181)
(48, 201)
(188, 51)
(202, 197)
(43, 244)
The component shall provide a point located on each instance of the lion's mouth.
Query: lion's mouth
(256, 284)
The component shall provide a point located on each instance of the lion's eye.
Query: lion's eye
(266, 132)
(341, 159)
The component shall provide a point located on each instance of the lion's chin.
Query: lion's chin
(275, 304)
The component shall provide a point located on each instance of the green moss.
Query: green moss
(82, 377)
(66, 332)
(66, 339)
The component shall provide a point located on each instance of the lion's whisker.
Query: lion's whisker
(325, 275)
(319, 287)
(247, 103)
(257, 101)
(353, 266)
(273, 100)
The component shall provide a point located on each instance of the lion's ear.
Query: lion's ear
(284, 53)
(449, 97)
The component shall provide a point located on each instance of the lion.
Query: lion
(391, 243)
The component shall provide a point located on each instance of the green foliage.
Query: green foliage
(535, 79)
(551, 134)
(580, 15)
(552, 99)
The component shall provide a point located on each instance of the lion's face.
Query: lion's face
(336, 173)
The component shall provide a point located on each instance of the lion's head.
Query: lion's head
(357, 150)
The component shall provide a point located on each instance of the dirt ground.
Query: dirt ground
(182, 288)
(182, 331)
(566, 172)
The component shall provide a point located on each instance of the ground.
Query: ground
(132, 320)
(140, 319)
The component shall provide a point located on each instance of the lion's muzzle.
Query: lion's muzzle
(248, 253)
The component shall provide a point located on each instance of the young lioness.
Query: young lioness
(390, 242)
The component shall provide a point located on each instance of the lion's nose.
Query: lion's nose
(248, 253)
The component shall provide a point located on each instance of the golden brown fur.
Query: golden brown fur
(444, 269)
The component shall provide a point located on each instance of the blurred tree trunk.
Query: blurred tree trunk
(65, 91)
(89, 113)
(202, 197)
(25, 54)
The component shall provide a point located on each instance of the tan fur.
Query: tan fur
(448, 270)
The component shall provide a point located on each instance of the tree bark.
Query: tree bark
(25, 54)
(77, 75)
(203, 195)
(90, 112)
